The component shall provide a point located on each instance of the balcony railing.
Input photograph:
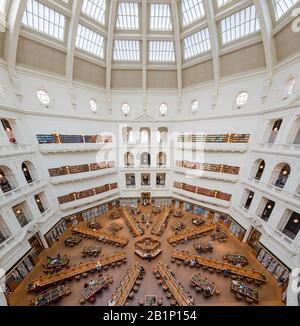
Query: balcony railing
(86, 193)
(222, 142)
(83, 171)
(273, 190)
(59, 143)
(273, 233)
(215, 197)
(18, 192)
(15, 149)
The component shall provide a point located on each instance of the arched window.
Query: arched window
(93, 105)
(128, 159)
(275, 130)
(162, 134)
(161, 159)
(8, 130)
(7, 180)
(194, 106)
(292, 226)
(145, 135)
(20, 213)
(241, 99)
(39, 203)
(125, 108)
(163, 109)
(27, 169)
(258, 169)
(145, 159)
(43, 97)
(127, 134)
(4, 231)
(280, 175)
(289, 87)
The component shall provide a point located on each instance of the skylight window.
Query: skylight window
(222, 3)
(282, 6)
(196, 44)
(90, 41)
(44, 19)
(126, 50)
(128, 16)
(95, 9)
(240, 24)
(160, 17)
(192, 10)
(161, 51)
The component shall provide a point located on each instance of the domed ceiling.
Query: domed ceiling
(142, 43)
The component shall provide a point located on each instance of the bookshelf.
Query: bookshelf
(86, 193)
(209, 167)
(74, 169)
(72, 139)
(202, 191)
(214, 138)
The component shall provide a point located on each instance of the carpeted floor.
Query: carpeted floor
(270, 292)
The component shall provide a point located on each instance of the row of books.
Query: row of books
(203, 191)
(73, 169)
(221, 168)
(86, 193)
(221, 138)
(72, 139)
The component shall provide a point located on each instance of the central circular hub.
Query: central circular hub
(148, 248)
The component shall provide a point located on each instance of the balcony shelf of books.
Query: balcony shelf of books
(212, 196)
(215, 142)
(81, 197)
(58, 142)
(84, 171)
(208, 170)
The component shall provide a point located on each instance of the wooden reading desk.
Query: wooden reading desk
(236, 258)
(55, 264)
(73, 271)
(204, 284)
(221, 266)
(176, 289)
(135, 272)
(250, 293)
(160, 224)
(94, 288)
(51, 295)
(102, 236)
(133, 228)
(191, 233)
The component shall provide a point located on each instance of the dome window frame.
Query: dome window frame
(289, 87)
(43, 97)
(241, 99)
(93, 105)
(163, 109)
(125, 108)
(194, 106)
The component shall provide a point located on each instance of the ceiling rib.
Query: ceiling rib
(111, 26)
(144, 43)
(266, 26)
(175, 16)
(213, 30)
(76, 10)
(14, 21)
